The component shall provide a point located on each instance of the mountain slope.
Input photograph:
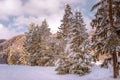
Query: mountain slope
(13, 49)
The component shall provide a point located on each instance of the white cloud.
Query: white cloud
(10, 7)
(4, 18)
(53, 21)
(22, 20)
(34, 7)
(6, 33)
(35, 11)
(41, 7)
(52, 10)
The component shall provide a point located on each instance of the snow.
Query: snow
(97, 63)
(15, 72)
(118, 59)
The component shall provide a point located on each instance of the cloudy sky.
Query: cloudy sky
(16, 15)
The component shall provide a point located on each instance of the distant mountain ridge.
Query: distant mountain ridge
(2, 40)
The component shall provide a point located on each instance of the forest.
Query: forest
(72, 49)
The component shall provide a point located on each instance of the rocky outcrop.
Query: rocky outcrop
(13, 50)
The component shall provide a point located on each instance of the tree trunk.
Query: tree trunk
(115, 62)
(110, 13)
(115, 66)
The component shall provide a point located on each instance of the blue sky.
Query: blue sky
(16, 15)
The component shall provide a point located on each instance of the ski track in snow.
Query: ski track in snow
(15, 72)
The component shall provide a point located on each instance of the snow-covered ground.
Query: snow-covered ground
(14, 72)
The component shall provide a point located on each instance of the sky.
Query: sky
(16, 15)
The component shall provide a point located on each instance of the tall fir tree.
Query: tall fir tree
(66, 22)
(64, 29)
(77, 60)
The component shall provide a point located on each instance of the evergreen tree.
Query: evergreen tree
(78, 32)
(37, 44)
(64, 29)
(32, 44)
(66, 22)
(77, 60)
(106, 37)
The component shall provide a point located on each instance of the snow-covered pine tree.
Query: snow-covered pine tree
(77, 32)
(106, 37)
(32, 43)
(46, 59)
(78, 55)
(37, 44)
(77, 60)
(63, 33)
(66, 23)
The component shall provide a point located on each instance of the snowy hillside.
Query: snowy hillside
(10, 72)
